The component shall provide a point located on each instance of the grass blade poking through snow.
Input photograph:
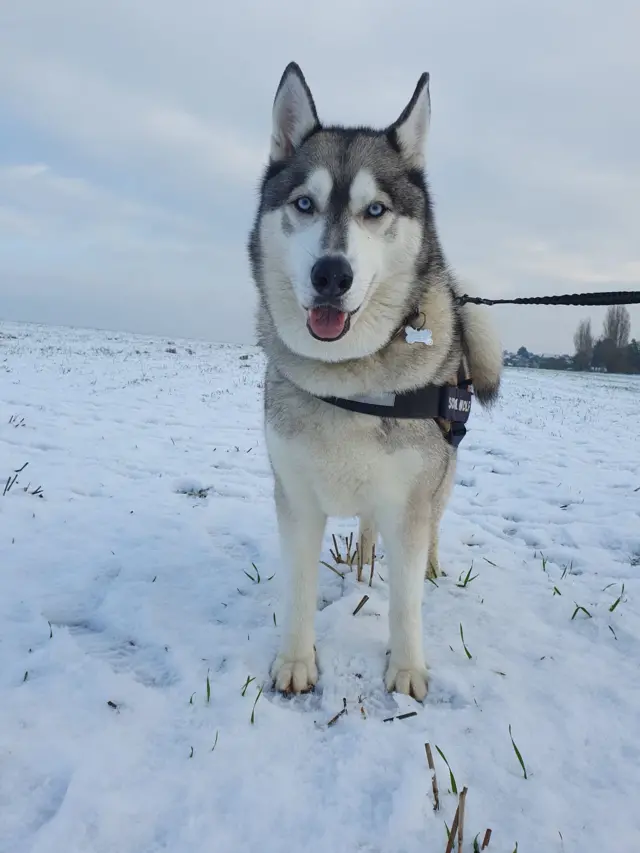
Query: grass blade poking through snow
(255, 579)
(467, 652)
(253, 711)
(617, 601)
(208, 688)
(579, 608)
(517, 752)
(333, 569)
(452, 778)
(246, 684)
(468, 578)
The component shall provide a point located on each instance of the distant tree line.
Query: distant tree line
(613, 351)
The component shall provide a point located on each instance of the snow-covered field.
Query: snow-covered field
(139, 578)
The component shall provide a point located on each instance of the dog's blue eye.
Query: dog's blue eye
(303, 204)
(375, 210)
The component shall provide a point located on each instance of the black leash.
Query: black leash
(619, 297)
(449, 405)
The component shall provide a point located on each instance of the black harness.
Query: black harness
(448, 405)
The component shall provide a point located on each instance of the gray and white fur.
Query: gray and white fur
(343, 251)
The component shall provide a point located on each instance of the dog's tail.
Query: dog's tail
(483, 350)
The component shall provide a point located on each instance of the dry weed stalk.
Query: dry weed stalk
(362, 603)
(461, 804)
(349, 557)
(457, 827)
(453, 831)
(352, 556)
(335, 719)
(434, 780)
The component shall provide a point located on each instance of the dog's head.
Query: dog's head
(343, 226)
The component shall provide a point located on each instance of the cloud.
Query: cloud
(67, 241)
(90, 112)
(71, 207)
(146, 127)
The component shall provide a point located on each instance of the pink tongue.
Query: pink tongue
(326, 322)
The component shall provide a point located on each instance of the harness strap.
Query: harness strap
(449, 405)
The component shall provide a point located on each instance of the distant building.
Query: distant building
(534, 361)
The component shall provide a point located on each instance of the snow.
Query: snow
(125, 584)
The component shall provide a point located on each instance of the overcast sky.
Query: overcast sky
(133, 132)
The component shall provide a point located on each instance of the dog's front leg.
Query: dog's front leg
(301, 524)
(406, 541)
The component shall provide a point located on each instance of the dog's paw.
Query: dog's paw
(294, 676)
(412, 681)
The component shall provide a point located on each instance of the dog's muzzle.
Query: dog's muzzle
(331, 277)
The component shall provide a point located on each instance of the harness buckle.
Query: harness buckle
(457, 432)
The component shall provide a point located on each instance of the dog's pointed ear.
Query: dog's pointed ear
(409, 132)
(294, 113)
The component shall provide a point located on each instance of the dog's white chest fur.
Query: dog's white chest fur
(346, 468)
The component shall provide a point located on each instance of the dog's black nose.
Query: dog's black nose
(332, 275)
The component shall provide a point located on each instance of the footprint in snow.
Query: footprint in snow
(147, 664)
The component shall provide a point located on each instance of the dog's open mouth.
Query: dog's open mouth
(327, 323)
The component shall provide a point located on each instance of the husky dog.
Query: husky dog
(349, 268)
